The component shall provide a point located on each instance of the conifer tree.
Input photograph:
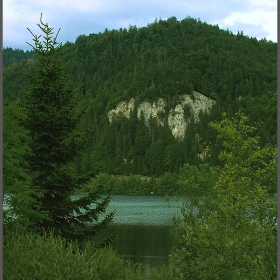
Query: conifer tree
(53, 120)
(18, 196)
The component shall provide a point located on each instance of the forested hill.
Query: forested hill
(165, 60)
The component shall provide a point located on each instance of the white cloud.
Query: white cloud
(93, 16)
(260, 12)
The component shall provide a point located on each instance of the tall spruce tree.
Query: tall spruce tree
(18, 196)
(53, 122)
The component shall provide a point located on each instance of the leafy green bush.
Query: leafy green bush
(133, 184)
(167, 184)
(230, 232)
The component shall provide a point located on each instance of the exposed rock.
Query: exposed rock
(176, 117)
(200, 103)
(155, 110)
(144, 109)
(177, 122)
(124, 108)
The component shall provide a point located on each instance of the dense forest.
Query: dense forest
(72, 124)
(166, 59)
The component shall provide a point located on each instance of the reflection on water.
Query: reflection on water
(146, 244)
(143, 226)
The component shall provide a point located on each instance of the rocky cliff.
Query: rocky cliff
(175, 118)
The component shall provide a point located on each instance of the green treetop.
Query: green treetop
(231, 232)
(53, 121)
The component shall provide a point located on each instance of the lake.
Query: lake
(143, 226)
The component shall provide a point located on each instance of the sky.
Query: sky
(256, 18)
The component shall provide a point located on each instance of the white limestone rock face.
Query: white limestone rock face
(123, 108)
(145, 110)
(177, 122)
(155, 110)
(200, 103)
(176, 117)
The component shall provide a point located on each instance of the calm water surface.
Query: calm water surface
(143, 210)
(143, 226)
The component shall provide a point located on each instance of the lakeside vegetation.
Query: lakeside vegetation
(220, 225)
(58, 142)
(166, 185)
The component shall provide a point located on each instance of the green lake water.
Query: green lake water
(143, 227)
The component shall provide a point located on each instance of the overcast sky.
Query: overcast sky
(256, 18)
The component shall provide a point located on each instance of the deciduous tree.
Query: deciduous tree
(234, 235)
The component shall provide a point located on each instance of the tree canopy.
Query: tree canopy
(165, 59)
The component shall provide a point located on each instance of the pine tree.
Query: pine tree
(53, 122)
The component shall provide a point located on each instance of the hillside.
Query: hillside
(168, 60)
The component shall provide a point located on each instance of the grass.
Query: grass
(34, 257)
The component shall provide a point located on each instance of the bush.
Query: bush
(229, 232)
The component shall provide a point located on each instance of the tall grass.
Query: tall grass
(31, 256)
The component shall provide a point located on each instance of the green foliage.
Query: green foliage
(133, 184)
(226, 230)
(246, 159)
(102, 180)
(15, 146)
(53, 122)
(16, 174)
(11, 56)
(31, 256)
(163, 60)
(231, 232)
(196, 181)
(263, 111)
(167, 184)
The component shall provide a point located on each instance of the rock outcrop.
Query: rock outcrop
(176, 119)
(177, 122)
(123, 109)
(155, 110)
